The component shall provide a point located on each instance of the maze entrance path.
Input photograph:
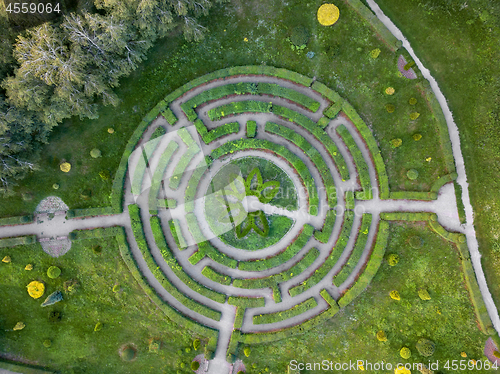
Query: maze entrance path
(178, 201)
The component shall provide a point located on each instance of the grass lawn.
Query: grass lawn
(459, 44)
(447, 319)
(127, 315)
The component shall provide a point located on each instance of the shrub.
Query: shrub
(251, 129)
(395, 143)
(417, 137)
(53, 272)
(424, 294)
(111, 130)
(128, 353)
(98, 326)
(425, 347)
(28, 267)
(86, 194)
(415, 242)
(95, 153)
(47, 343)
(393, 259)
(375, 53)
(409, 65)
(395, 295)
(405, 353)
(105, 175)
(159, 131)
(55, 186)
(36, 289)
(328, 14)
(196, 344)
(495, 353)
(6, 259)
(300, 36)
(54, 316)
(154, 345)
(65, 167)
(381, 337)
(412, 174)
(390, 108)
(70, 286)
(247, 351)
(390, 90)
(412, 101)
(195, 365)
(19, 326)
(414, 115)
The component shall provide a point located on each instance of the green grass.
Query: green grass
(126, 315)
(448, 318)
(460, 47)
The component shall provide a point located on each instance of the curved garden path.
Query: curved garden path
(468, 228)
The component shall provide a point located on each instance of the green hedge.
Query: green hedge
(220, 131)
(19, 240)
(173, 314)
(292, 250)
(460, 203)
(182, 164)
(95, 233)
(413, 195)
(443, 180)
(216, 276)
(176, 232)
(356, 253)
(238, 107)
(243, 303)
(17, 367)
(333, 110)
(371, 268)
(243, 144)
(169, 116)
(18, 220)
(165, 159)
(372, 145)
(318, 133)
(140, 169)
(140, 238)
(251, 129)
(327, 92)
(406, 216)
(90, 212)
(286, 314)
(274, 280)
(192, 185)
(326, 230)
(289, 94)
(310, 151)
(205, 249)
(323, 122)
(331, 260)
(177, 269)
(359, 161)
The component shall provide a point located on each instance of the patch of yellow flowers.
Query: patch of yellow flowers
(328, 14)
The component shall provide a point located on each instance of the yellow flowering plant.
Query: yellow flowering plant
(328, 14)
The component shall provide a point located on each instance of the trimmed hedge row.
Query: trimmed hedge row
(383, 32)
(357, 251)
(178, 270)
(147, 152)
(19, 240)
(182, 165)
(216, 276)
(328, 298)
(298, 165)
(298, 243)
(371, 143)
(94, 233)
(289, 94)
(318, 133)
(216, 133)
(90, 212)
(274, 280)
(326, 230)
(238, 107)
(331, 260)
(406, 216)
(140, 238)
(333, 110)
(323, 122)
(413, 195)
(243, 303)
(460, 203)
(443, 180)
(327, 92)
(293, 137)
(165, 159)
(251, 129)
(359, 160)
(18, 220)
(193, 182)
(173, 314)
(169, 116)
(371, 268)
(454, 237)
(296, 310)
(175, 230)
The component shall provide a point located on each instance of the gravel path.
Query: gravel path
(468, 229)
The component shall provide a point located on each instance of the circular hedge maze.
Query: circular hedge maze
(249, 222)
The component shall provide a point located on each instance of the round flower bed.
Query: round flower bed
(328, 14)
